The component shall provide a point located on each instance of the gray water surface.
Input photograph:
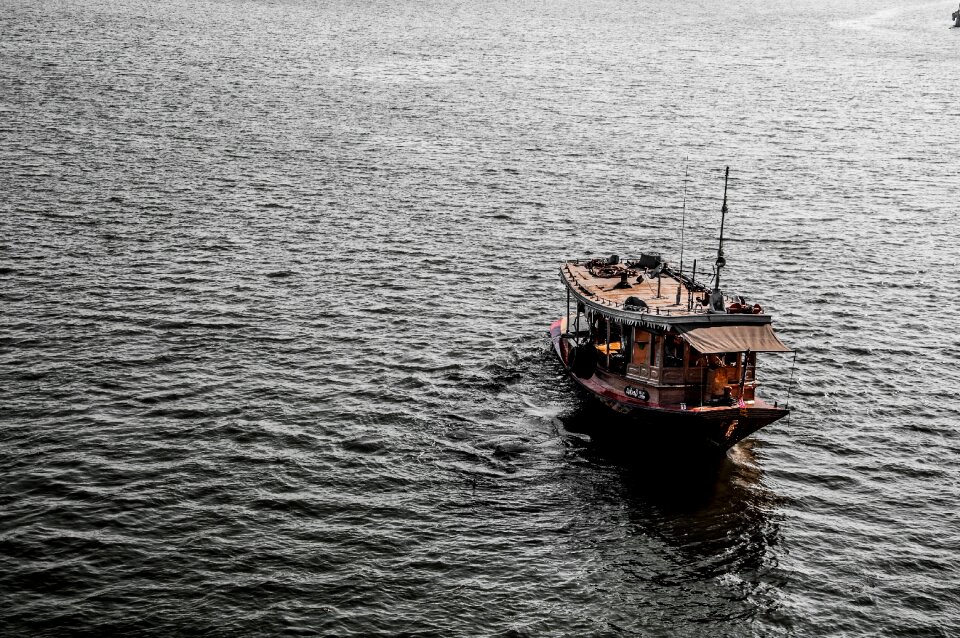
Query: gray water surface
(276, 279)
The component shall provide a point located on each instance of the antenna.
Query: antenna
(721, 262)
(683, 223)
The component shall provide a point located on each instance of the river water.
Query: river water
(276, 279)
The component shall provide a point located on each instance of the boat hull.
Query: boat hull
(707, 428)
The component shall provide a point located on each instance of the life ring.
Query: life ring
(757, 309)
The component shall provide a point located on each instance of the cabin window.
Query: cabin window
(751, 364)
(722, 360)
(616, 331)
(617, 348)
(697, 358)
(599, 329)
(673, 352)
(656, 343)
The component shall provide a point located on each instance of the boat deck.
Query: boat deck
(602, 284)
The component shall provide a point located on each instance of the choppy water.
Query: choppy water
(276, 278)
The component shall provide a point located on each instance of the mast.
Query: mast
(721, 262)
(683, 223)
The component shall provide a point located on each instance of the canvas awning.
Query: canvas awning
(716, 339)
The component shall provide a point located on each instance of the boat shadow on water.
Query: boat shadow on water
(713, 508)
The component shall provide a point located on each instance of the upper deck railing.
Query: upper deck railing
(694, 308)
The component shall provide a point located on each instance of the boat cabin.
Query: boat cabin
(673, 370)
(660, 337)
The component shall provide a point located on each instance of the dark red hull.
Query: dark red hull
(715, 428)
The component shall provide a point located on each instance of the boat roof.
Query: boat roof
(643, 292)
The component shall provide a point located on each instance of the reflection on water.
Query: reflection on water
(693, 527)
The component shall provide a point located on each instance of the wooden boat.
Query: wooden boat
(677, 356)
